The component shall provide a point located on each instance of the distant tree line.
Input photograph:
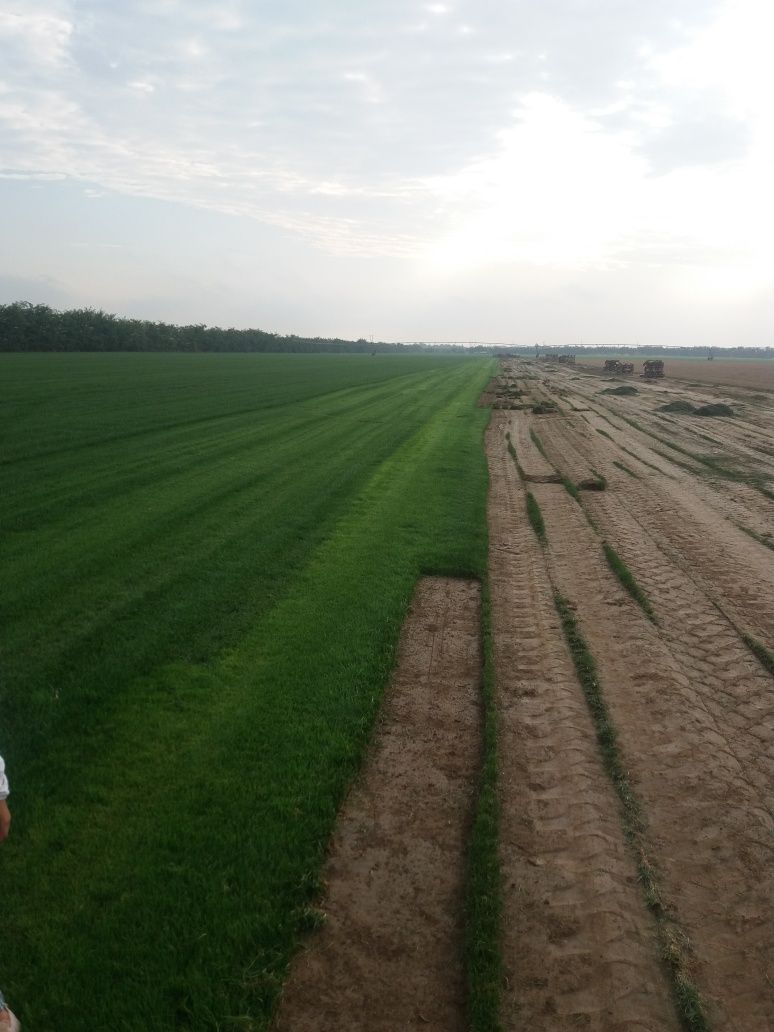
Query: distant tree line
(28, 327)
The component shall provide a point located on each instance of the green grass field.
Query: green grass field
(206, 562)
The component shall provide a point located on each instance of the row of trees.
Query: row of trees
(28, 327)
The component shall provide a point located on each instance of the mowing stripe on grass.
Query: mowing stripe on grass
(673, 942)
(626, 577)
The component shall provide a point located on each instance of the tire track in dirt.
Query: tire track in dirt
(700, 534)
(390, 953)
(631, 448)
(563, 451)
(735, 440)
(748, 507)
(719, 559)
(734, 689)
(579, 947)
(535, 466)
(695, 727)
(727, 435)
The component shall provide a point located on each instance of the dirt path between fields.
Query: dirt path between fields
(696, 525)
(694, 710)
(580, 948)
(389, 955)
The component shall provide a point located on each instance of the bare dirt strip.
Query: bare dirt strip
(580, 948)
(695, 520)
(693, 707)
(389, 955)
(690, 710)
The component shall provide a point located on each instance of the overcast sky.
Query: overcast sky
(558, 170)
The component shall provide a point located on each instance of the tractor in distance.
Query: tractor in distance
(652, 368)
(612, 365)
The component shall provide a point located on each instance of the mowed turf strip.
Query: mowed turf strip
(206, 563)
(390, 952)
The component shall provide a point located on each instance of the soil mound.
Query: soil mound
(715, 409)
(678, 406)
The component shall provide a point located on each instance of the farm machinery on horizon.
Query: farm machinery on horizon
(612, 365)
(652, 368)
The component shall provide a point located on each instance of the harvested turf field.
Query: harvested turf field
(206, 563)
(633, 631)
(561, 815)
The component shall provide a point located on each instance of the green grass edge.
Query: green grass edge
(535, 517)
(571, 489)
(627, 579)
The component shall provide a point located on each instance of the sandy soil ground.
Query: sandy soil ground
(390, 953)
(689, 507)
(580, 947)
(751, 373)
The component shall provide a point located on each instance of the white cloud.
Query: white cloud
(22, 174)
(39, 31)
(458, 137)
(370, 89)
(556, 191)
(729, 59)
(561, 192)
